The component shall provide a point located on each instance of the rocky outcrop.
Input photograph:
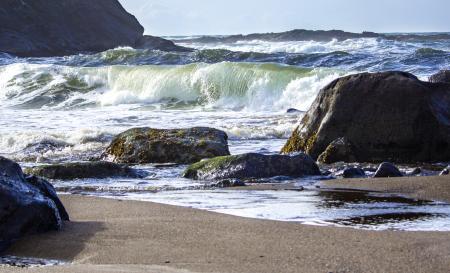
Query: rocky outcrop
(70, 171)
(442, 76)
(27, 205)
(389, 116)
(157, 43)
(54, 28)
(387, 169)
(183, 146)
(250, 166)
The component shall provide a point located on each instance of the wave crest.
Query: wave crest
(223, 85)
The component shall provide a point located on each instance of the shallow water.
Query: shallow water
(355, 209)
(27, 262)
(69, 108)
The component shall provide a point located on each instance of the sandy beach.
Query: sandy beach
(126, 236)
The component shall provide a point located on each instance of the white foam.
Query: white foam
(253, 87)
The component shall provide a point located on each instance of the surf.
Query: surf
(225, 85)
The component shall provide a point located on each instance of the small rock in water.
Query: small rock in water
(445, 171)
(229, 183)
(83, 170)
(293, 111)
(387, 169)
(252, 166)
(354, 173)
(415, 172)
(183, 146)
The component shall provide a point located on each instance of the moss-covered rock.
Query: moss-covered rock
(82, 170)
(385, 116)
(338, 150)
(184, 146)
(248, 166)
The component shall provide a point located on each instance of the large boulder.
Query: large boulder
(27, 205)
(382, 116)
(250, 166)
(40, 28)
(183, 146)
(80, 170)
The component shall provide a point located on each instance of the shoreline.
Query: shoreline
(108, 235)
(430, 188)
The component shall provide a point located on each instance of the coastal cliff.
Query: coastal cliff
(40, 28)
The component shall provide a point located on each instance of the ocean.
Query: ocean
(68, 109)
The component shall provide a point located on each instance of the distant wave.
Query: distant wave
(305, 47)
(424, 52)
(224, 85)
(130, 56)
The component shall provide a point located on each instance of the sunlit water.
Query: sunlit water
(75, 105)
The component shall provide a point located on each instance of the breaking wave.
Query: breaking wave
(223, 85)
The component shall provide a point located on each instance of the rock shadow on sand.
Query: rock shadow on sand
(62, 245)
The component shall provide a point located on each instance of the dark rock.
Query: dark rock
(248, 166)
(387, 169)
(44, 146)
(49, 191)
(441, 77)
(445, 171)
(385, 116)
(26, 207)
(70, 171)
(157, 43)
(184, 146)
(354, 173)
(229, 183)
(338, 150)
(41, 28)
(293, 111)
(415, 172)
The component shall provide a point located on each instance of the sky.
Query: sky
(213, 17)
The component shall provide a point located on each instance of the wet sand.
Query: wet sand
(127, 236)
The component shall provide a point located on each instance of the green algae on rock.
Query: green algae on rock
(252, 165)
(183, 146)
